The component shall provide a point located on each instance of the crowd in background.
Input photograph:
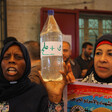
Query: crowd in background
(22, 88)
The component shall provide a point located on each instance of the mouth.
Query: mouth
(102, 68)
(11, 71)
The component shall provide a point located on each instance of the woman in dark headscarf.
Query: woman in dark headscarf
(101, 72)
(17, 93)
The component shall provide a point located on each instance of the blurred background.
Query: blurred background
(82, 20)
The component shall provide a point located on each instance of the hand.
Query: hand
(84, 72)
(55, 88)
(68, 76)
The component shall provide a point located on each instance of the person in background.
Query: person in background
(85, 60)
(33, 48)
(67, 59)
(17, 92)
(54, 88)
(101, 71)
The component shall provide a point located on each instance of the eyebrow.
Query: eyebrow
(6, 53)
(110, 50)
(98, 49)
(14, 53)
(107, 50)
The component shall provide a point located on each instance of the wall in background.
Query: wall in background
(23, 16)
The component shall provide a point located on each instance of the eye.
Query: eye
(6, 57)
(110, 54)
(18, 57)
(65, 50)
(98, 53)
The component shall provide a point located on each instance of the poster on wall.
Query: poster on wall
(88, 97)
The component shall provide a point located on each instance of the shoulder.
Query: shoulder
(74, 63)
(78, 58)
(35, 68)
(91, 58)
(88, 78)
(34, 75)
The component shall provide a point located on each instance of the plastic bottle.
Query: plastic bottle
(51, 50)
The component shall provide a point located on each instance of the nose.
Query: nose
(12, 60)
(63, 52)
(91, 51)
(103, 58)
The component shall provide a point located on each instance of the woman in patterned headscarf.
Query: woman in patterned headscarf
(101, 71)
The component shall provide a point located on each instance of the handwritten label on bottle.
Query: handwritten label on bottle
(51, 48)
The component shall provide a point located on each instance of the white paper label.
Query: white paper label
(51, 48)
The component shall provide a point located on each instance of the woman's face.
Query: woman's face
(13, 63)
(103, 61)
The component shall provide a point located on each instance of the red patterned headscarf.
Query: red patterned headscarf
(104, 42)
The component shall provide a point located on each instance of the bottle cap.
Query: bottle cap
(50, 12)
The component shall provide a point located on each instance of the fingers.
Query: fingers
(69, 67)
(41, 78)
(65, 67)
(64, 76)
(68, 76)
(40, 75)
(68, 79)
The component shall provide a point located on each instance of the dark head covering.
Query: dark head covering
(106, 37)
(11, 89)
(8, 39)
